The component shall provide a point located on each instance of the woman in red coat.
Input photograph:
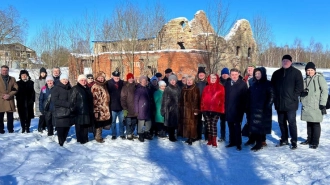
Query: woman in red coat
(212, 104)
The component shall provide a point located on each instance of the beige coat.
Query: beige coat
(8, 105)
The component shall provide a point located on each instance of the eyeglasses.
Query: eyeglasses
(90, 78)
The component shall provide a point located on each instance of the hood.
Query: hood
(209, 79)
(263, 73)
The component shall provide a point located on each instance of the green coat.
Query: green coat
(317, 95)
(158, 96)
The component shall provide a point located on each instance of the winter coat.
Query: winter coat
(101, 102)
(90, 84)
(25, 97)
(259, 106)
(114, 90)
(82, 105)
(142, 102)
(170, 105)
(317, 95)
(38, 84)
(158, 96)
(223, 81)
(235, 100)
(43, 98)
(287, 84)
(189, 106)
(60, 97)
(213, 97)
(127, 98)
(11, 89)
(201, 85)
(56, 80)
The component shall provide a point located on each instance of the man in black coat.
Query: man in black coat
(201, 84)
(288, 84)
(235, 102)
(224, 78)
(114, 86)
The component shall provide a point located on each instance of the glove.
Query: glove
(323, 109)
(125, 112)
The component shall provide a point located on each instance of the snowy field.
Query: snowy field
(37, 159)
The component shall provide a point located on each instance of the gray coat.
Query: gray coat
(317, 95)
(38, 84)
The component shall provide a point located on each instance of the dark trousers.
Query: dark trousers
(235, 135)
(25, 124)
(283, 118)
(201, 127)
(10, 122)
(82, 133)
(222, 126)
(130, 125)
(171, 133)
(252, 138)
(313, 132)
(42, 123)
(62, 134)
(48, 120)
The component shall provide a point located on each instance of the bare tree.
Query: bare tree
(297, 49)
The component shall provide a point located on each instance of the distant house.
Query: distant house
(18, 56)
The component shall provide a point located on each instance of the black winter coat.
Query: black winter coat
(60, 97)
(170, 105)
(260, 101)
(81, 101)
(25, 98)
(114, 90)
(201, 85)
(288, 84)
(235, 101)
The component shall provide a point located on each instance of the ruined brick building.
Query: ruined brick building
(181, 45)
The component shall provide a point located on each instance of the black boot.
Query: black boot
(147, 135)
(141, 137)
(307, 142)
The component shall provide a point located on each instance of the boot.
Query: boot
(99, 140)
(214, 141)
(209, 138)
(22, 126)
(305, 142)
(141, 138)
(147, 135)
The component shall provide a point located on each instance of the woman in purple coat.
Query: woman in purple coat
(142, 106)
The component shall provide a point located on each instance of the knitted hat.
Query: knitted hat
(287, 57)
(201, 70)
(80, 77)
(225, 71)
(160, 83)
(116, 73)
(49, 77)
(153, 78)
(89, 76)
(310, 65)
(64, 76)
(158, 75)
(43, 70)
(143, 77)
(169, 70)
(172, 77)
(129, 76)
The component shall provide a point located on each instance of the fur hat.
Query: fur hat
(24, 72)
(100, 74)
(161, 82)
(201, 70)
(158, 75)
(43, 70)
(168, 70)
(172, 77)
(310, 65)
(49, 77)
(225, 71)
(116, 73)
(287, 57)
(80, 77)
(64, 76)
(129, 76)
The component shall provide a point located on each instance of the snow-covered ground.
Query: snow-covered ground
(37, 159)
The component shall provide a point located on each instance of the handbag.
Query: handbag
(245, 130)
(327, 106)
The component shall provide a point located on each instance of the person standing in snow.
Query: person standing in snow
(127, 102)
(223, 80)
(190, 108)
(170, 109)
(115, 85)
(82, 108)
(153, 86)
(8, 89)
(101, 101)
(212, 105)
(259, 107)
(60, 97)
(38, 84)
(235, 103)
(25, 98)
(313, 99)
(201, 84)
(46, 107)
(288, 84)
(56, 75)
(159, 119)
(142, 107)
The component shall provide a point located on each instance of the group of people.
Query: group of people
(168, 107)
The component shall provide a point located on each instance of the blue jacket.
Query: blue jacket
(45, 92)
